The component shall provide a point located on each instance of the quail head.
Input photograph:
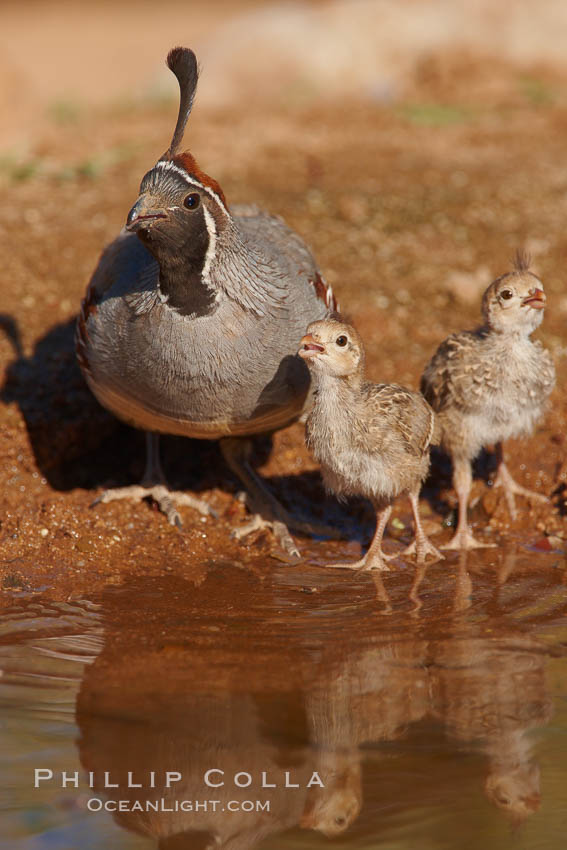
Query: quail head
(490, 384)
(370, 439)
(191, 321)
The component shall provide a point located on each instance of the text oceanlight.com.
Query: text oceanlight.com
(96, 804)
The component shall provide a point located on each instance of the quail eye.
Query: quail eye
(192, 201)
(506, 294)
(340, 821)
(341, 340)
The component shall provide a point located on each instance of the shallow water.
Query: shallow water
(431, 707)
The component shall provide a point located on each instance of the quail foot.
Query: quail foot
(192, 319)
(370, 439)
(490, 384)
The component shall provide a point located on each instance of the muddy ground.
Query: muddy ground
(411, 207)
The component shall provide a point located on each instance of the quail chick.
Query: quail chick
(370, 439)
(490, 384)
(191, 321)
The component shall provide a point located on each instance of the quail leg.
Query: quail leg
(512, 488)
(375, 558)
(154, 486)
(462, 482)
(270, 514)
(422, 545)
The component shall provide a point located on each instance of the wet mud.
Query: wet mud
(408, 252)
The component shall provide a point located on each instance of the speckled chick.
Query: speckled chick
(490, 384)
(370, 439)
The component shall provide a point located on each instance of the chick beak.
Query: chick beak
(535, 299)
(310, 348)
(532, 801)
(141, 216)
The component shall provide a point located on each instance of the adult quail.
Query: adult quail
(191, 321)
(370, 439)
(490, 384)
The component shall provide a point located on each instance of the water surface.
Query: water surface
(406, 710)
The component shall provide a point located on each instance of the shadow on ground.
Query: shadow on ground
(78, 444)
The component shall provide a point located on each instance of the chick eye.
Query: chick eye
(192, 201)
(506, 294)
(341, 340)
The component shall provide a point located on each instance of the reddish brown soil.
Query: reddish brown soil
(393, 199)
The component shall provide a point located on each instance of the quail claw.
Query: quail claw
(278, 528)
(167, 500)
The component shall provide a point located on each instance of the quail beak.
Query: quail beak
(535, 299)
(142, 217)
(310, 348)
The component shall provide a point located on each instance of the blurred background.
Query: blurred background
(60, 58)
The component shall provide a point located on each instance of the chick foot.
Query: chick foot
(463, 539)
(421, 546)
(378, 562)
(375, 558)
(511, 489)
(462, 479)
(154, 486)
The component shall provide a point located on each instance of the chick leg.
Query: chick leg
(270, 514)
(462, 482)
(154, 486)
(422, 545)
(374, 559)
(512, 488)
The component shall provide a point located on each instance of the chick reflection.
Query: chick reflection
(370, 696)
(247, 675)
(490, 693)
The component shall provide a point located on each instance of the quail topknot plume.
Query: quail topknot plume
(192, 320)
(490, 384)
(370, 439)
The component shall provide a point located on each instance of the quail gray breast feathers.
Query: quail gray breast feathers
(192, 319)
(370, 439)
(490, 384)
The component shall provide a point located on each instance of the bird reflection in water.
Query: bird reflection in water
(243, 674)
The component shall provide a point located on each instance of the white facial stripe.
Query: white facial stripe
(210, 255)
(166, 165)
